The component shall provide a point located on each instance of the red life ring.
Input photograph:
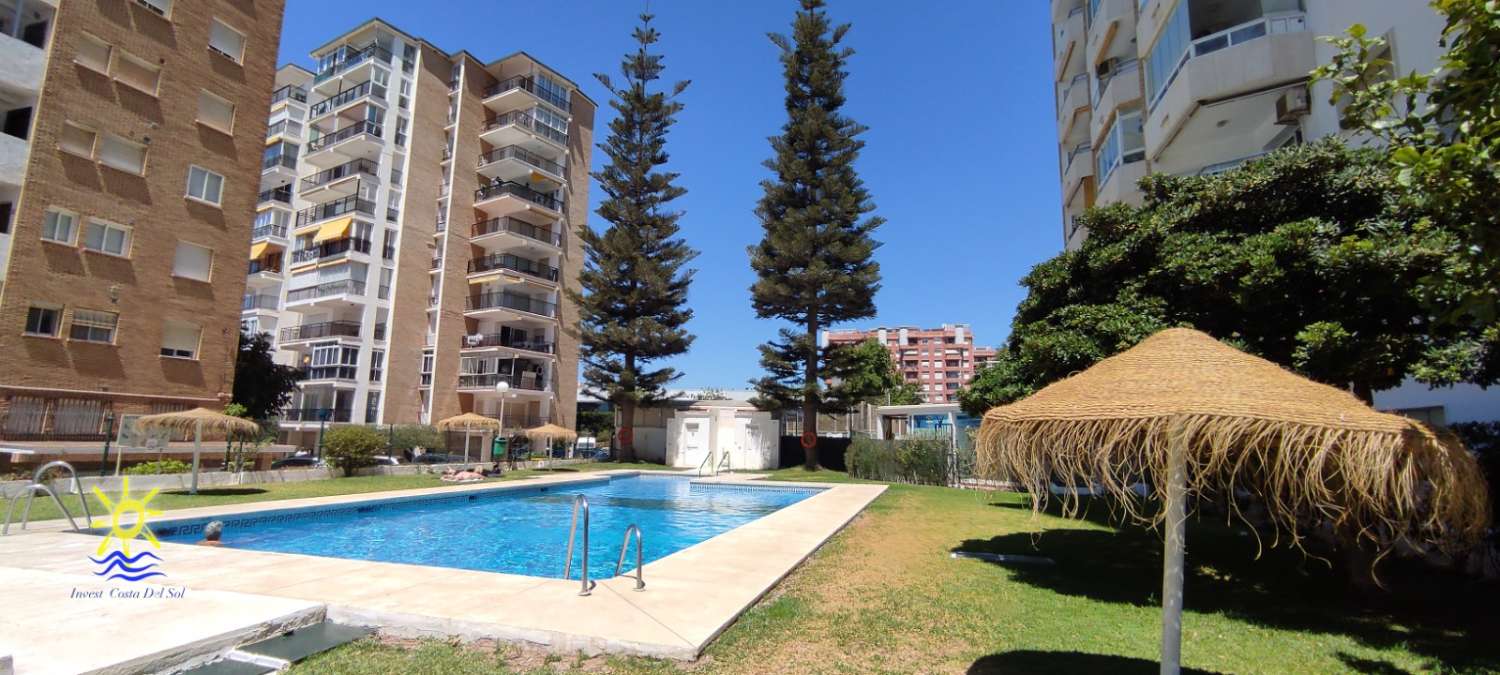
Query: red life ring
(809, 440)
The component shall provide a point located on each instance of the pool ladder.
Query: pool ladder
(38, 484)
(586, 586)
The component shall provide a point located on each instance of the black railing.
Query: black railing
(329, 140)
(288, 161)
(324, 290)
(268, 231)
(292, 127)
(345, 97)
(437, 262)
(489, 380)
(528, 84)
(259, 302)
(519, 153)
(329, 249)
(316, 415)
(325, 329)
(282, 194)
(335, 208)
(354, 58)
(379, 331)
(508, 224)
(508, 188)
(290, 91)
(504, 340)
(496, 261)
(508, 300)
(350, 168)
(524, 119)
(257, 266)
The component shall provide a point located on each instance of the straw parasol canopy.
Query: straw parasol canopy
(550, 431)
(468, 422)
(197, 420)
(1191, 415)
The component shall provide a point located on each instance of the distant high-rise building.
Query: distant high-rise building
(939, 361)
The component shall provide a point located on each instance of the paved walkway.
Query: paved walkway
(691, 595)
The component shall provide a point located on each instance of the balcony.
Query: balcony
(339, 373)
(264, 267)
(338, 180)
(282, 195)
(338, 207)
(519, 232)
(514, 163)
(374, 92)
(320, 331)
(526, 382)
(357, 65)
(1120, 184)
(1120, 89)
(506, 261)
(489, 341)
(331, 294)
(290, 129)
(285, 165)
(358, 140)
(1073, 96)
(503, 199)
(1068, 48)
(1111, 30)
(508, 302)
(1217, 100)
(521, 91)
(316, 415)
(328, 250)
(521, 128)
(13, 154)
(290, 92)
(1078, 164)
(251, 303)
(24, 62)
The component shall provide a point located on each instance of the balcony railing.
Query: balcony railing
(1082, 149)
(339, 372)
(497, 261)
(504, 340)
(520, 227)
(350, 168)
(268, 231)
(524, 118)
(528, 84)
(1229, 37)
(329, 140)
(346, 97)
(508, 188)
(335, 208)
(329, 249)
(282, 194)
(316, 415)
(379, 331)
(288, 127)
(1079, 80)
(324, 329)
(257, 266)
(508, 300)
(259, 302)
(437, 262)
(489, 380)
(524, 155)
(290, 91)
(288, 161)
(1121, 70)
(340, 287)
(354, 58)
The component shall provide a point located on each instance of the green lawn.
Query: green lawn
(43, 508)
(885, 596)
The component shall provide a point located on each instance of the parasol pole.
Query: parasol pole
(197, 448)
(1171, 575)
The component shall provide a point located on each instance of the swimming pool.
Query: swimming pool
(515, 530)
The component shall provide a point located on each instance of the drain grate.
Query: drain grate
(275, 654)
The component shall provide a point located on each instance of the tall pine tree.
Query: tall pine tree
(815, 264)
(634, 288)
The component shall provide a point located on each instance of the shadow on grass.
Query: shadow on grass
(560, 469)
(1037, 661)
(219, 492)
(1437, 614)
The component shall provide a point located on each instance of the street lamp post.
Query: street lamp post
(109, 432)
(503, 388)
(323, 414)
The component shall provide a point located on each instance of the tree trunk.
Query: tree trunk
(810, 397)
(1364, 392)
(627, 432)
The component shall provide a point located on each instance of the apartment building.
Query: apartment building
(130, 142)
(939, 361)
(1200, 86)
(415, 234)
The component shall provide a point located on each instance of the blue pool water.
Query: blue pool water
(513, 531)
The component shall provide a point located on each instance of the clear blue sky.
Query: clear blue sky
(961, 156)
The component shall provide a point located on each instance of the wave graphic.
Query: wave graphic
(135, 577)
(117, 555)
(119, 566)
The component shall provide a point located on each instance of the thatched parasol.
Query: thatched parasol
(197, 420)
(546, 433)
(468, 422)
(1187, 412)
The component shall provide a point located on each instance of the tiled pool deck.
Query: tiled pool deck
(690, 596)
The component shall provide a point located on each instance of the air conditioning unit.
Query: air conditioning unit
(1292, 104)
(474, 340)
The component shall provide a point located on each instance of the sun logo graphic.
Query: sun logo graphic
(119, 564)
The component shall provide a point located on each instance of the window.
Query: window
(377, 364)
(205, 185)
(118, 153)
(161, 7)
(136, 73)
(77, 140)
(226, 41)
(59, 226)
(107, 238)
(179, 339)
(93, 326)
(93, 53)
(215, 112)
(1124, 144)
(193, 261)
(43, 321)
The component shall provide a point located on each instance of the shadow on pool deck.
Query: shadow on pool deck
(219, 492)
(1037, 661)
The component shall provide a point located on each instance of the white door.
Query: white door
(694, 442)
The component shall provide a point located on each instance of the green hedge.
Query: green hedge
(154, 467)
(924, 461)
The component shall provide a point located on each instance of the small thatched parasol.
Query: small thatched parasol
(1186, 412)
(468, 422)
(546, 433)
(197, 420)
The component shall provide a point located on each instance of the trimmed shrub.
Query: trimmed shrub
(156, 467)
(919, 460)
(406, 437)
(351, 447)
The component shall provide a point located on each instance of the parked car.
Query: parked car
(385, 460)
(438, 458)
(297, 462)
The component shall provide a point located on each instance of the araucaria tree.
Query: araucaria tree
(815, 265)
(634, 288)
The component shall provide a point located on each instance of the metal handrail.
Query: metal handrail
(723, 464)
(640, 581)
(37, 484)
(704, 463)
(586, 586)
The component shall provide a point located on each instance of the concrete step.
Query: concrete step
(278, 653)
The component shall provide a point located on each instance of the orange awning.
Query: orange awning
(258, 250)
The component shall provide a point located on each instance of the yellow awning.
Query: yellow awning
(334, 229)
(258, 250)
(486, 278)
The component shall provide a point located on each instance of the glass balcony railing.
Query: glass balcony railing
(489, 380)
(329, 140)
(291, 91)
(334, 209)
(508, 300)
(521, 227)
(498, 261)
(346, 97)
(350, 168)
(508, 188)
(260, 302)
(1160, 76)
(284, 127)
(525, 119)
(528, 84)
(316, 415)
(323, 329)
(287, 161)
(282, 194)
(331, 249)
(505, 340)
(524, 156)
(340, 287)
(353, 58)
(265, 231)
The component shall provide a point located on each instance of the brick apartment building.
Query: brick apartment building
(939, 361)
(131, 145)
(415, 234)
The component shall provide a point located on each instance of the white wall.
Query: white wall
(1412, 26)
(1461, 403)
